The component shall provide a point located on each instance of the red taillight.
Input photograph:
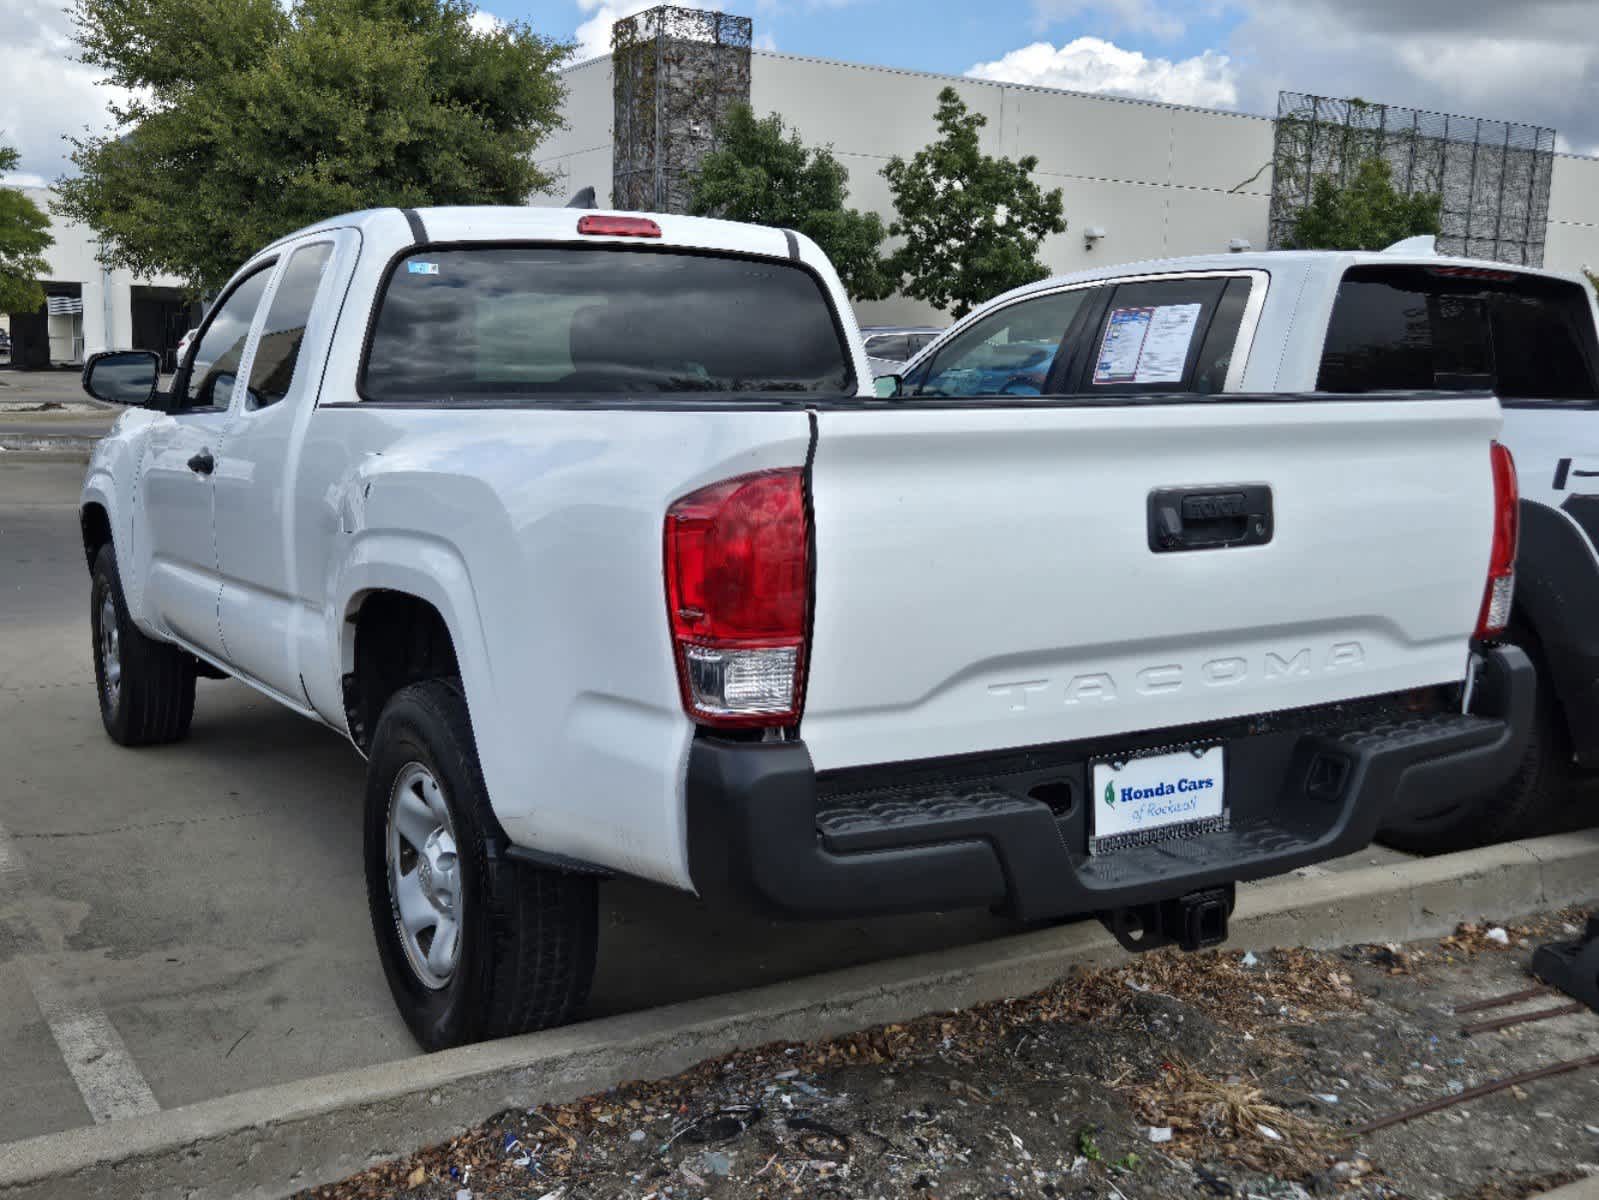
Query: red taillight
(618, 226)
(1501, 589)
(737, 594)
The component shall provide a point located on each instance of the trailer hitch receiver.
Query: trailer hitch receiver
(1192, 922)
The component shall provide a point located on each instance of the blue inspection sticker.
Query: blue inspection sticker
(422, 268)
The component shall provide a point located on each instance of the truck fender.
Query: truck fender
(1557, 594)
(433, 571)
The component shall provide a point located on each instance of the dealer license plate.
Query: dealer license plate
(1160, 796)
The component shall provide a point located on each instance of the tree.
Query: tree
(972, 223)
(758, 174)
(249, 119)
(24, 237)
(1366, 213)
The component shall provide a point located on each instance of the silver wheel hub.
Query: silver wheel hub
(110, 650)
(424, 875)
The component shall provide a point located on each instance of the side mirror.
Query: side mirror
(123, 376)
(887, 387)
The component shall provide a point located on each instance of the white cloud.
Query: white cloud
(484, 23)
(1091, 64)
(1533, 61)
(46, 96)
(1135, 16)
(25, 179)
(593, 36)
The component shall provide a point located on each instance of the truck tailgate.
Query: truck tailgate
(985, 577)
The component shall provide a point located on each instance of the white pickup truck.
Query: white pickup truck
(590, 532)
(1397, 322)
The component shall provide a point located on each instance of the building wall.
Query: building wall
(72, 260)
(1156, 178)
(1573, 242)
(1159, 179)
(580, 155)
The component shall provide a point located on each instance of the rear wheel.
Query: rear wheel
(474, 945)
(1524, 807)
(146, 687)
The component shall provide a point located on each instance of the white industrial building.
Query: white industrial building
(90, 308)
(1157, 179)
(1153, 179)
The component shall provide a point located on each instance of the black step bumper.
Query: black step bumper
(1011, 831)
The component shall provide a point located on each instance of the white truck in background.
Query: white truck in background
(590, 533)
(1398, 322)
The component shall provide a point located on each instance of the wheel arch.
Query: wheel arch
(1557, 597)
(94, 522)
(407, 612)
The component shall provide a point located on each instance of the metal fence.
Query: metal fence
(677, 70)
(1492, 177)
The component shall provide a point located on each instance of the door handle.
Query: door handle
(1209, 518)
(202, 463)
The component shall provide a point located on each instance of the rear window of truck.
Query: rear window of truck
(1528, 338)
(498, 323)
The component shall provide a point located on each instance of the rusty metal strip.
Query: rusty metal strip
(1543, 1014)
(1487, 1089)
(1531, 993)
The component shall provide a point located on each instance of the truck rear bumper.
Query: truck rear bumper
(1011, 830)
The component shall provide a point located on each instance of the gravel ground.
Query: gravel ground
(1232, 1073)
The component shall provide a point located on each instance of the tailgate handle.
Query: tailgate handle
(1209, 518)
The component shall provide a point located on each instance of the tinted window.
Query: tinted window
(505, 323)
(215, 362)
(1452, 329)
(272, 370)
(1216, 351)
(1166, 335)
(1008, 353)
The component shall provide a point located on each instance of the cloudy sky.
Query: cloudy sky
(1524, 60)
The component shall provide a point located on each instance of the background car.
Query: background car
(889, 347)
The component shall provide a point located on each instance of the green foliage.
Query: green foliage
(972, 223)
(759, 174)
(1087, 1147)
(1367, 213)
(24, 236)
(250, 119)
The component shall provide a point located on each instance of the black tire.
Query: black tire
(1526, 806)
(148, 698)
(527, 938)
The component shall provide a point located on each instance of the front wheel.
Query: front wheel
(146, 687)
(474, 945)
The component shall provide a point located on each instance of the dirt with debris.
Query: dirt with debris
(1232, 1073)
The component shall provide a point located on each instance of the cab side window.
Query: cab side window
(1008, 353)
(272, 369)
(1449, 328)
(214, 364)
(1164, 336)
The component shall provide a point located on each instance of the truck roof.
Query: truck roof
(1266, 260)
(464, 223)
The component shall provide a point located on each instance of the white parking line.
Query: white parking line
(107, 1078)
(94, 1052)
(10, 863)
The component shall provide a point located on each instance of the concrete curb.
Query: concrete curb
(274, 1141)
(1583, 1189)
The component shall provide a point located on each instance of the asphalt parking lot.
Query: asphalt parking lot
(190, 921)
